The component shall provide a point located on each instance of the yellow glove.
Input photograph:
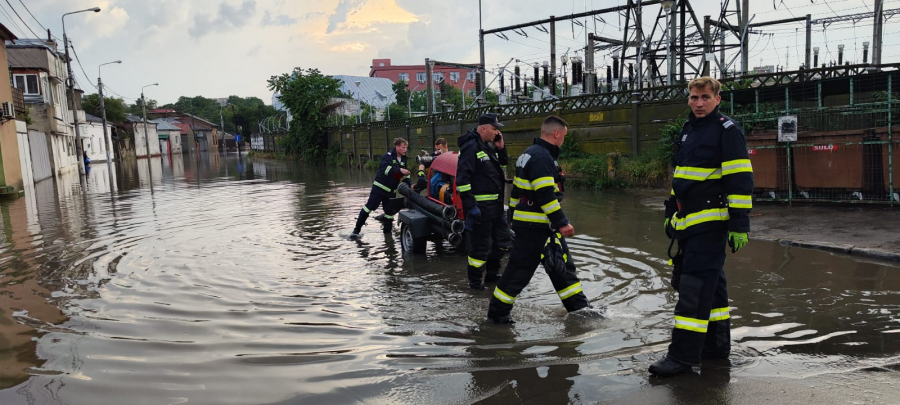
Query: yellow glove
(737, 240)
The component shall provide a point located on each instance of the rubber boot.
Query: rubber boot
(668, 367)
(360, 221)
(387, 225)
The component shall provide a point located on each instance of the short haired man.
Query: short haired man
(391, 172)
(709, 206)
(481, 185)
(538, 220)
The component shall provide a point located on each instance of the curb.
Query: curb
(851, 250)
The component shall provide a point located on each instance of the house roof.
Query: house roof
(136, 119)
(162, 125)
(6, 34)
(375, 91)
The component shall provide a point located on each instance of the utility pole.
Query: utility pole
(745, 44)
(103, 112)
(707, 46)
(222, 122)
(877, 32)
(70, 81)
(553, 55)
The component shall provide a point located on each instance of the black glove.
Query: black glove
(678, 263)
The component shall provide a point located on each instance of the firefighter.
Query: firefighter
(481, 185)
(391, 172)
(709, 207)
(538, 220)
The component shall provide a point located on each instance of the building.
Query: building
(38, 68)
(169, 137)
(205, 133)
(414, 75)
(135, 125)
(93, 138)
(11, 177)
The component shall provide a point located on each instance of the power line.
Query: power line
(32, 15)
(21, 31)
(22, 20)
(79, 64)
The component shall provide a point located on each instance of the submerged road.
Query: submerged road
(232, 281)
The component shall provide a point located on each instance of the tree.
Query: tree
(115, 107)
(136, 107)
(307, 95)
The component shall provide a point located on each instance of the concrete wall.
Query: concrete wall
(140, 143)
(92, 139)
(9, 141)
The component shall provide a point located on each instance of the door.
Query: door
(40, 156)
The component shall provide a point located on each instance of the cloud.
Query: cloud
(281, 19)
(349, 47)
(344, 8)
(228, 17)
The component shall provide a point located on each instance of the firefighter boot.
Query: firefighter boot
(360, 221)
(668, 367)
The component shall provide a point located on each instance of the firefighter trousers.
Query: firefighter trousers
(376, 197)
(524, 259)
(702, 321)
(486, 244)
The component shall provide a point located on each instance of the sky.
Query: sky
(218, 48)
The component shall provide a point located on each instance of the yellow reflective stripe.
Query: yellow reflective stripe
(464, 188)
(513, 203)
(740, 201)
(367, 210)
(542, 182)
(383, 187)
(481, 154)
(475, 262)
(524, 216)
(486, 197)
(503, 297)
(719, 314)
(697, 173)
(551, 207)
(522, 183)
(673, 191)
(736, 166)
(421, 173)
(713, 214)
(569, 291)
(691, 324)
(388, 216)
(387, 170)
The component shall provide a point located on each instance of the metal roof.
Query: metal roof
(376, 91)
(163, 125)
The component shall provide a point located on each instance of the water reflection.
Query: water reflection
(217, 279)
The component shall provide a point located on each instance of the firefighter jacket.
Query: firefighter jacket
(713, 183)
(389, 175)
(479, 175)
(536, 191)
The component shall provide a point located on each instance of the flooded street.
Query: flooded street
(208, 280)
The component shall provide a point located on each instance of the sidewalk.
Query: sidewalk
(859, 230)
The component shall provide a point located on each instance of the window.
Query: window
(472, 93)
(454, 77)
(420, 77)
(27, 83)
(437, 77)
(470, 76)
(404, 77)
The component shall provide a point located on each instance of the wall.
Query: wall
(140, 143)
(92, 139)
(9, 140)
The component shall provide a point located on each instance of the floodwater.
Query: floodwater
(206, 280)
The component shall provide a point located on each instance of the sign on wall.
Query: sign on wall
(787, 128)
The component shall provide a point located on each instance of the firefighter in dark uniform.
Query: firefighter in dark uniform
(440, 146)
(481, 184)
(391, 172)
(709, 207)
(537, 217)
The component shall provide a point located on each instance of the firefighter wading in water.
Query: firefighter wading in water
(391, 171)
(536, 217)
(709, 208)
(482, 184)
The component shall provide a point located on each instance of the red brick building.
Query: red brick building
(414, 75)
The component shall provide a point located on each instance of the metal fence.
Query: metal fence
(825, 139)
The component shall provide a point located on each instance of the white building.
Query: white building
(169, 137)
(136, 126)
(38, 68)
(93, 139)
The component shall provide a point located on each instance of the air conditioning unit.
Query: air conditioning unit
(8, 110)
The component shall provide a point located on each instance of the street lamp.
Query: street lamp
(79, 149)
(103, 109)
(144, 111)
(667, 5)
(358, 103)
(409, 101)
